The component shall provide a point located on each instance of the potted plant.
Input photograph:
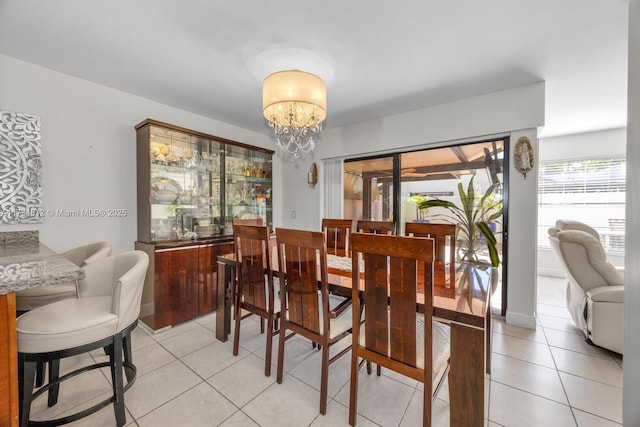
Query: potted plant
(473, 217)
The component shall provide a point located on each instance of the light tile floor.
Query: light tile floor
(546, 377)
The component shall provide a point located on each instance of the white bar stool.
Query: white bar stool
(106, 310)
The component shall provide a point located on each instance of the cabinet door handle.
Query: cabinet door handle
(182, 248)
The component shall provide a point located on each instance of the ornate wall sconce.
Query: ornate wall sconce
(523, 159)
(312, 177)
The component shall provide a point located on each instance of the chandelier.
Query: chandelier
(295, 104)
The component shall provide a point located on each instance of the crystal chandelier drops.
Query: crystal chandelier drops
(294, 104)
(295, 132)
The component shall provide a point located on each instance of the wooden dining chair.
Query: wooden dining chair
(376, 227)
(304, 297)
(444, 236)
(337, 233)
(256, 292)
(393, 334)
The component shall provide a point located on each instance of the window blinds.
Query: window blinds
(587, 190)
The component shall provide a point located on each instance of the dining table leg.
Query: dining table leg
(8, 361)
(225, 294)
(467, 376)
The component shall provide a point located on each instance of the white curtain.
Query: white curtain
(332, 185)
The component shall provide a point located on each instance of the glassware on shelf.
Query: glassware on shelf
(154, 152)
(164, 190)
(172, 160)
(162, 228)
(212, 163)
(161, 159)
(188, 155)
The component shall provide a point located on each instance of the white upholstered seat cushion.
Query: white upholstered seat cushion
(276, 294)
(66, 324)
(276, 303)
(340, 323)
(441, 344)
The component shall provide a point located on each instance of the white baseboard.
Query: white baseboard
(521, 320)
(147, 310)
(150, 331)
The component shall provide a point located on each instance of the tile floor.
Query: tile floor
(546, 377)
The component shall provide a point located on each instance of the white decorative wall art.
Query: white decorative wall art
(20, 165)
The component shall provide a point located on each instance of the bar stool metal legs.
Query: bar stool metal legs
(118, 359)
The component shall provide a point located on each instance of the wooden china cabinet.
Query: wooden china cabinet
(190, 188)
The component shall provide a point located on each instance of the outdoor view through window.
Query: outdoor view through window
(395, 187)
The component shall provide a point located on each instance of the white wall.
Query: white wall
(610, 142)
(521, 251)
(631, 391)
(516, 112)
(88, 149)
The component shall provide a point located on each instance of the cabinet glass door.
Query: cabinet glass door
(248, 185)
(185, 190)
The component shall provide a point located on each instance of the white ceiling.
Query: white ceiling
(377, 57)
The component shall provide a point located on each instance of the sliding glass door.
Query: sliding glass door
(395, 187)
(368, 189)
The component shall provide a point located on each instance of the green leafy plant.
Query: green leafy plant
(472, 217)
(421, 213)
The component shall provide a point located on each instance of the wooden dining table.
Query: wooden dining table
(466, 307)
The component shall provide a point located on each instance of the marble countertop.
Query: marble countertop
(32, 264)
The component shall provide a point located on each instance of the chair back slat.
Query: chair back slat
(337, 233)
(300, 268)
(255, 281)
(375, 303)
(402, 309)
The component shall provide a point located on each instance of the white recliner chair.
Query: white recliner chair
(595, 288)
